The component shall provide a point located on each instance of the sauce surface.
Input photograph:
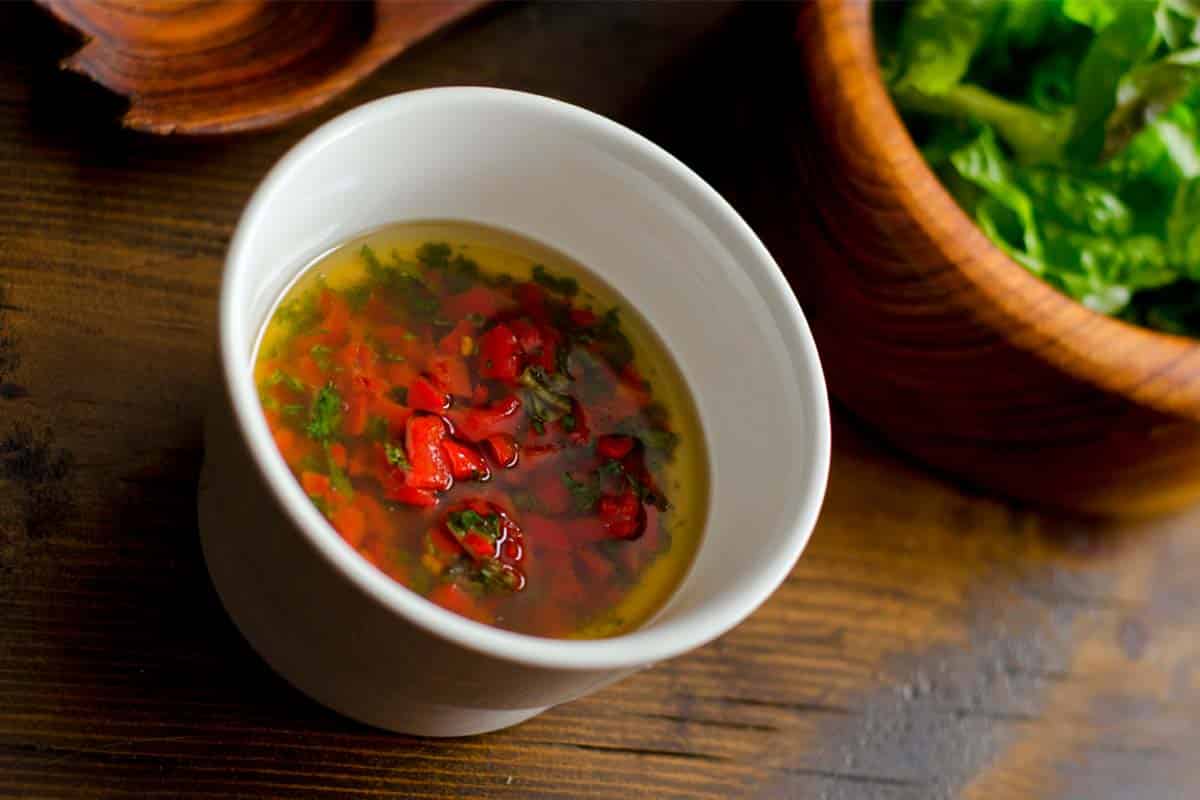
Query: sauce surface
(489, 425)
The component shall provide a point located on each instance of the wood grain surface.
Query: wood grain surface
(950, 348)
(218, 66)
(932, 643)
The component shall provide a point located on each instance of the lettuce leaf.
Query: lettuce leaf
(937, 41)
(1183, 229)
(1070, 131)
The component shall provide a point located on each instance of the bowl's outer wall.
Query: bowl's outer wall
(915, 345)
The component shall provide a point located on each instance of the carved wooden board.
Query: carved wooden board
(219, 66)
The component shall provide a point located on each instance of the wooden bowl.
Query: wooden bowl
(221, 66)
(953, 351)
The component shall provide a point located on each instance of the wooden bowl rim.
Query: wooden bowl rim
(1034, 316)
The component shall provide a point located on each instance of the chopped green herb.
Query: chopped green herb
(321, 354)
(562, 360)
(434, 254)
(494, 575)
(293, 410)
(396, 455)
(645, 495)
(375, 269)
(610, 469)
(524, 500)
(568, 423)
(295, 384)
(463, 522)
(611, 342)
(313, 463)
(461, 274)
(584, 495)
(325, 415)
(545, 399)
(402, 285)
(610, 322)
(399, 394)
(657, 439)
(300, 313)
(564, 285)
(357, 296)
(337, 478)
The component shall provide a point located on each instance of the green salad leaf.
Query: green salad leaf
(1183, 229)
(1070, 131)
(982, 162)
(937, 40)
(1120, 46)
(1073, 200)
(1147, 91)
(1095, 14)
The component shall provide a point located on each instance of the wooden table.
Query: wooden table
(932, 643)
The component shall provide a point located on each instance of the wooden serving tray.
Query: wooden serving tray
(205, 67)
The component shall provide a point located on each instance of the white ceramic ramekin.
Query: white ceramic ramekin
(320, 614)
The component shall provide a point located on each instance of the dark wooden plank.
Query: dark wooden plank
(932, 643)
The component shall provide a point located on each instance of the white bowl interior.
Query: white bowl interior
(648, 226)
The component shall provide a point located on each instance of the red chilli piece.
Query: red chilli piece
(623, 515)
(423, 441)
(424, 396)
(529, 336)
(533, 456)
(500, 354)
(503, 449)
(614, 446)
(443, 543)
(450, 373)
(336, 316)
(478, 546)
(531, 298)
(451, 343)
(477, 300)
(453, 597)
(466, 463)
(477, 424)
(583, 317)
(421, 498)
(315, 484)
(354, 418)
